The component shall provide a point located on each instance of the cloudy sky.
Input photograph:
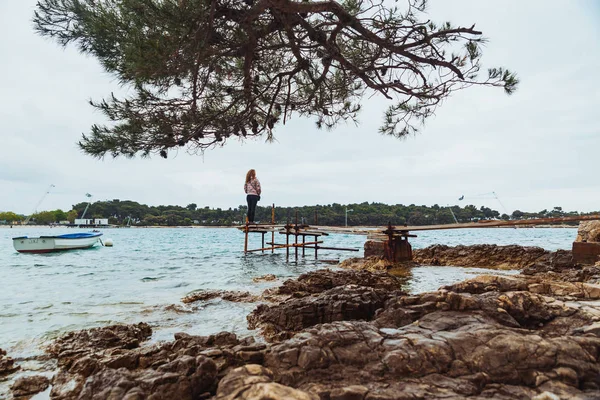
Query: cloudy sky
(536, 149)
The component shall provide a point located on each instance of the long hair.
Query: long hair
(250, 175)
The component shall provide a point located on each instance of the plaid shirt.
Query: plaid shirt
(252, 187)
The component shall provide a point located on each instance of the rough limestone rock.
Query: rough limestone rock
(7, 364)
(187, 368)
(254, 382)
(374, 248)
(186, 377)
(29, 385)
(557, 261)
(557, 289)
(481, 256)
(342, 303)
(589, 231)
(504, 337)
(443, 355)
(372, 264)
(264, 278)
(108, 337)
(377, 263)
(228, 295)
(325, 279)
(575, 273)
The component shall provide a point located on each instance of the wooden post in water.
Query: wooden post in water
(273, 232)
(303, 241)
(287, 241)
(296, 235)
(246, 236)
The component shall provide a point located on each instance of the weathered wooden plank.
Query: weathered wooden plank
(284, 246)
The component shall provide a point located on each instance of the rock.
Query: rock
(325, 279)
(589, 231)
(341, 303)
(572, 289)
(464, 357)
(481, 256)
(489, 283)
(589, 274)
(179, 309)
(254, 382)
(184, 378)
(265, 278)
(557, 261)
(109, 337)
(354, 392)
(187, 368)
(489, 337)
(7, 364)
(561, 259)
(29, 385)
(520, 309)
(593, 329)
(233, 296)
(376, 263)
(374, 248)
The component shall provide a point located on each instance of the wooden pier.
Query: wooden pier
(295, 237)
(394, 238)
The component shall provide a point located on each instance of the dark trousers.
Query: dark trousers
(252, 200)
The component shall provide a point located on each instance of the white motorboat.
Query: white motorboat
(47, 244)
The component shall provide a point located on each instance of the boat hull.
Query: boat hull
(48, 244)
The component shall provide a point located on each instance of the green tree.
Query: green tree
(59, 215)
(44, 217)
(10, 217)
(71, 216)
(517, 214)
(203, 71)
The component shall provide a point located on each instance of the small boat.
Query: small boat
(47, 244)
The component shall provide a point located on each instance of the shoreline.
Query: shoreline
(336, 333)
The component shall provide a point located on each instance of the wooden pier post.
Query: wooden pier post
(273, 222)
(246, 237)
(303, 241)
(287, 241)
(296, 235)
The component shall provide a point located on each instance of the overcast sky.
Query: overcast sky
(536, 149)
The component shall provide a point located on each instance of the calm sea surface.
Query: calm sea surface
(147, 272)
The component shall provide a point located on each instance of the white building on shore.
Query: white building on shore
(91, 221)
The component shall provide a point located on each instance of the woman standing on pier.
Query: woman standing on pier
(252, 189)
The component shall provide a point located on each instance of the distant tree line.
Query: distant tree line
(133, 213)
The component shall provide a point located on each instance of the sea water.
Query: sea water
(146, 273)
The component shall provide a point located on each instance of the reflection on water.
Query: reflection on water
(149, 270)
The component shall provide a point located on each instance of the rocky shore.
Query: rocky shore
(355, 333)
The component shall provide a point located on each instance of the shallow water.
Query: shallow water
(149, 270)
